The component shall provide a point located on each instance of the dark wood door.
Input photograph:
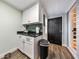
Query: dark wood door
(55, 30)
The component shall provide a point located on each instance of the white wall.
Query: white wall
(70, 4)
(65, 30)
(10, 20)
(43, 12)
(77, 24)
(70, 34)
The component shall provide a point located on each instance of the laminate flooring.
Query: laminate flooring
(58, 52)
(16, 55)
(54, 52)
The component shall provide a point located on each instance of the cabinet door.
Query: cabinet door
(20, 43)
(31, 15)
(35, 14)
(29, 46)
(25, 21)
(25, 17)
(28, 50)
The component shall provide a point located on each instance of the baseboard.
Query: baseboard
(73, 52)
(10, 51)
(64, 45)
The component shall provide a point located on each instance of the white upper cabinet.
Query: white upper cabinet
(31, 15)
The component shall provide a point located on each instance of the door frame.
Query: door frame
(48, 25)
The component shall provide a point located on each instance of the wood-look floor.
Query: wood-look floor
(16, 55)
(54, 52)
(58, 52)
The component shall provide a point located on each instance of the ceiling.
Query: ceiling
(20, 4)
(52, 7)
(57, 7)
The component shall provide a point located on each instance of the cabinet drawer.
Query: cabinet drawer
(29, 40)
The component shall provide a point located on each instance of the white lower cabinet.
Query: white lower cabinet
(29, 45)
(28, 50)
(20, 42)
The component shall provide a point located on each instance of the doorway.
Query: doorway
(55, 30)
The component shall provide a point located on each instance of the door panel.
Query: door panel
(55, 30)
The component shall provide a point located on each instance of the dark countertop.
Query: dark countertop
(31, 34)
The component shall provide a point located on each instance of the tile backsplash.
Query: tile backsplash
(32, 27)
